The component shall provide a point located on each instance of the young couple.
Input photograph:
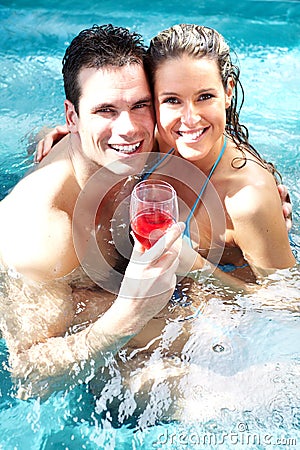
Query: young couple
(68, 204)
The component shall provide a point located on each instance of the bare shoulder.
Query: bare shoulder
(253, 190)
(35, 233)
(38, 245)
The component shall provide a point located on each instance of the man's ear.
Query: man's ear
(229, 91)
(71, 116)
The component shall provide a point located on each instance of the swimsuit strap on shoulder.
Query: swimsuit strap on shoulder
(187, 222)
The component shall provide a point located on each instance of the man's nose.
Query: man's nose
(125, 124)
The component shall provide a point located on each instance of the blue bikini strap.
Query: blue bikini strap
(187, 222)
(147, 174)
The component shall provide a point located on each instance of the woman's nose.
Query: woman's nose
(190, 115)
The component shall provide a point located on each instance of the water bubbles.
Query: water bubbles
(296, 418)
(218, 348)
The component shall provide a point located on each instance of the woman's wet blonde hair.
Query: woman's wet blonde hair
(198, 42)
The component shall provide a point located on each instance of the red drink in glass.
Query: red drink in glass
(150, 225)
(153, 209)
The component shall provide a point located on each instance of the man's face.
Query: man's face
(116, 119)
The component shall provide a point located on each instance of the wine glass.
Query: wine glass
(153, 209)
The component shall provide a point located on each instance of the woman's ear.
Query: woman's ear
(71, 116)
(229, 91)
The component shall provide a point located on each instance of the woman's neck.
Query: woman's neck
(204, 164)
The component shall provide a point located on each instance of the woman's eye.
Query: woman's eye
(205, 97)
(171, 100)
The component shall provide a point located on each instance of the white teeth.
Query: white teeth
(193, 136)
(126, 148)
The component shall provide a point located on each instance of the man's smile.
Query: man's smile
(126, 148)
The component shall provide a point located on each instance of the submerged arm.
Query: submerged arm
(54, 358)
(195, 266)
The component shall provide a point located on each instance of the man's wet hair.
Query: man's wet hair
(99, 47)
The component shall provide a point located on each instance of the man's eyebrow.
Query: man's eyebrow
(147, 99)
(95, 108)
(102, 106)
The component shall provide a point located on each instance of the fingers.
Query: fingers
(284, 194)
(39, 151)
(173, 233)
(44, 145)
(161, 258)
(282, 190)
(286, 205)
(49, 142)
(287, 209)
(161, 247)
(152, 273)
(287, 212)
(288, 224)
(138, 247)
(189, 259)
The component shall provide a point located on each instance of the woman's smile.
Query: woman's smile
(190, 136)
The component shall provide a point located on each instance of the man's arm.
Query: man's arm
(53, 360)
(286, 205)
(48, 140)
(259, 228)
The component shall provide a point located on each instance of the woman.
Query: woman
(195, 88)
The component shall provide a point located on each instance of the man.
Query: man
(109, 114)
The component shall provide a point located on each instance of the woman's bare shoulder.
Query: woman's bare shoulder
(252, 188)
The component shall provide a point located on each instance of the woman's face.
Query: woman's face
(191, 103)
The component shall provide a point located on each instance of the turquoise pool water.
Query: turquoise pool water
(244, 391)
